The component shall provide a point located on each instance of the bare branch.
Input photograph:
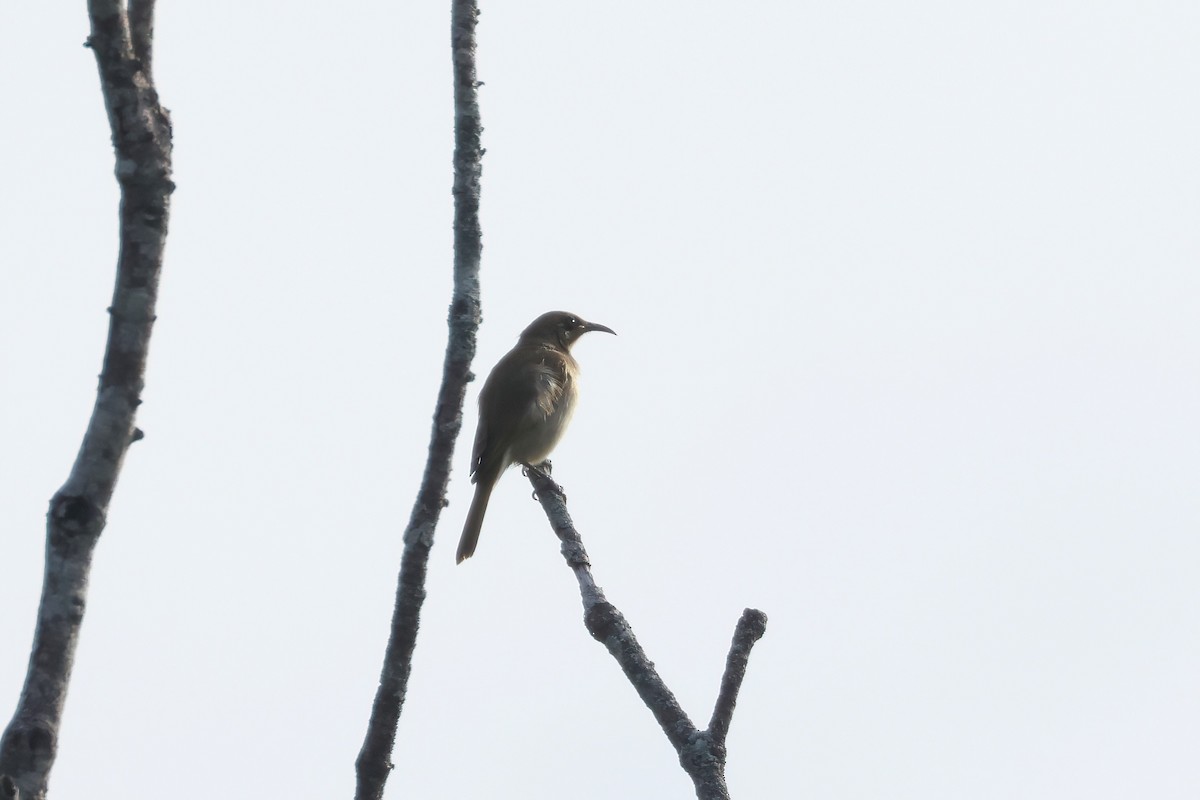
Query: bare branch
(141, 25)
(374, 759)
(141, 134)
(701, 753)
(749, 630)
(605, 623)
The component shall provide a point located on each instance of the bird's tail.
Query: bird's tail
(479, 504)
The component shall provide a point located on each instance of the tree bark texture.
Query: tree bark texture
(701, 752)
(374, 759)
(141, 135)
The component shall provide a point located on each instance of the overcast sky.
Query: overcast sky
(909, 358)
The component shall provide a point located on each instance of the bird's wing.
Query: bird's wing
(481, 440)
(526, 382)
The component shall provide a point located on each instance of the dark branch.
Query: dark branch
(374, 759)
(606, 624)
(749, 630)
(701, 753)
(141, 26)
(141, 135)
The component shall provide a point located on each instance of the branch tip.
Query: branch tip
(750, 628)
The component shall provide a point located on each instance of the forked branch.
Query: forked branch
(701, 752)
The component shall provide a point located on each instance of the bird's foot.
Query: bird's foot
(542, 471)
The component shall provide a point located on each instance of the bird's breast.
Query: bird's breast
(546, 419)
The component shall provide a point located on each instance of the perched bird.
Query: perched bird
(524, 408)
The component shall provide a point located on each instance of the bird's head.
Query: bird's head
(561, 328)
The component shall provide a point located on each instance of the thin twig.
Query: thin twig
(141, 134)
(701, 753)
(374, 759)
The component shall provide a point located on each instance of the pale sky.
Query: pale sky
(908, 358)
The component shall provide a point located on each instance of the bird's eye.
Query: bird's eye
(574, 323)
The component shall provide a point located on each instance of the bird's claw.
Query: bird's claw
(542, 470)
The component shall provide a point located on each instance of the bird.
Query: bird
(524, 408)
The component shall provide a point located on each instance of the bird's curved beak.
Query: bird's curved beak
(596, 326)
